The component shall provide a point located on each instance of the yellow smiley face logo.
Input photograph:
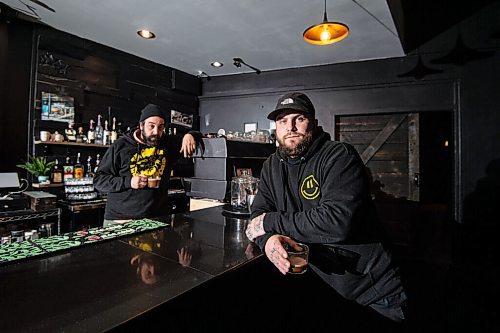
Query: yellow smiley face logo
(310, 188)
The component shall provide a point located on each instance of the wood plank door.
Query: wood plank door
(389, 147)
(409, 157)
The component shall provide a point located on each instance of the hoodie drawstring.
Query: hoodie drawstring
(299, 177)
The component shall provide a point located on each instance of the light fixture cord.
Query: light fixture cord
(325, 19)
(376, 19)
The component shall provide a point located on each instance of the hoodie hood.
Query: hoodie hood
(129, 137)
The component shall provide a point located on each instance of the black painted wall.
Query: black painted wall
(99, 78)
(468, 85)
(16, 47)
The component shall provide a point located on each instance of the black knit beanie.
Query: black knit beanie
(151, 110)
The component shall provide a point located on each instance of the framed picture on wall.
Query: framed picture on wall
(249, 127)
(243, 172)
(57, 107)
(180, 118)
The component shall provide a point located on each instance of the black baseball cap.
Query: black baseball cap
(151, 110)
(293, 102)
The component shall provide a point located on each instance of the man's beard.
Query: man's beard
(299, 149)
(151, 140)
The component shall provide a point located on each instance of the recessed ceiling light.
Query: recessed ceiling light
(146, 34)
(203, 74)
(217, 64)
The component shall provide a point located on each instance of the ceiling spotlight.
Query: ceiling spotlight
(146, 34)
(203, 74)
(217, 64)
(238, 62)
(326, 32)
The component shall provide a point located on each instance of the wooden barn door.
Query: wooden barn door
(389, 147)
(409, 158)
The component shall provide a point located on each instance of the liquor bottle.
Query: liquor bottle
(89, 172)
(80, 137)
(57, 173)
(97, 161)
(70, 133)
(105, 134)
(68, 169)
(114, 133)
(78, 168)
(91, 132)
(119, 130)
(98, 131)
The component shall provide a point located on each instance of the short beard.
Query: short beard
(300, 149)
(147, 139)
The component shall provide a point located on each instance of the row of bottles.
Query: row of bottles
(100, 135)
(25, 231)
(68, 170)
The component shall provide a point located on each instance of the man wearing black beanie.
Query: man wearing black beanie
(135, 170)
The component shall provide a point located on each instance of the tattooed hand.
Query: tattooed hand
(276, 252)
(256, 227)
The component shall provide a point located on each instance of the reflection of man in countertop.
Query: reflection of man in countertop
(315, 191)
(147, 267)
(171, 243)
(144, 153)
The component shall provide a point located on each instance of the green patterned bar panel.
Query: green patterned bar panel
(32, 248)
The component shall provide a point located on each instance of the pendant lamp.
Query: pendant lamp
(326, 32)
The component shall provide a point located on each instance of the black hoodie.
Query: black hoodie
(127, 158)
(322, 199)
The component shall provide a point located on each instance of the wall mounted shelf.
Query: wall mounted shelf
(51, 185)
(38, 142)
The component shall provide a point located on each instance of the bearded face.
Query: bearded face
(292, 149)
(150, 140)
(152, 130)
(294, 133)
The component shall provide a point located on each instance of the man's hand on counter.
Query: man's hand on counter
(256, 227)
(188, 145)
(276, 252)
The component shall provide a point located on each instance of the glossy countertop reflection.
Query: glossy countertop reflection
(98, 287)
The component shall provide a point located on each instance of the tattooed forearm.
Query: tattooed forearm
(255, 228)
(258, 226)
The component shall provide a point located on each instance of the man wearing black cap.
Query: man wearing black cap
(142, 155)
(315, 191)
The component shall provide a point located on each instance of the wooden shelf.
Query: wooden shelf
(38, 142)
(38, 185)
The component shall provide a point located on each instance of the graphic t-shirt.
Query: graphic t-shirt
(127, 158)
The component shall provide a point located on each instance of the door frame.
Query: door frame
(449, 104)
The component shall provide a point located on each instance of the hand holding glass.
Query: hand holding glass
(298, 256)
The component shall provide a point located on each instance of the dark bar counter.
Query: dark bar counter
(104, 285)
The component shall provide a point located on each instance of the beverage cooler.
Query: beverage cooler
(220, 161)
